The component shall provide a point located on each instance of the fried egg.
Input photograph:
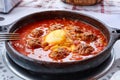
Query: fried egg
(55, 37)
(58, 38)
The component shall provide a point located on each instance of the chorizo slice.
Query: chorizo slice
(89, 37)
(36, 33)
(77, 30)
(56, 26)
(83, 49)
(60, 53)
(33, 43)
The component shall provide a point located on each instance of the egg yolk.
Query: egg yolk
(55, 37)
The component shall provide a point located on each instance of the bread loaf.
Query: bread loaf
(82, 2)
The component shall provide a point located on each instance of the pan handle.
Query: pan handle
(4, 28)
(116, 33)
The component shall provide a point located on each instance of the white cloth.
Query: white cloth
(106, 6)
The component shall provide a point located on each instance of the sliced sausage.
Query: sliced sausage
(36, 33)
(60, 53)
(89, 37)
(33, 43)
(56, 26)
(83, 49)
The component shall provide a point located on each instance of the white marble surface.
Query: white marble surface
(116, 76)
(111, 20)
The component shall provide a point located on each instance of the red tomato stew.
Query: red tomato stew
(59, 40)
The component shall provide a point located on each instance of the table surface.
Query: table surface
(111, 20)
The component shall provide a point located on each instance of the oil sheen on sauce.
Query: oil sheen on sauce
(40, 54)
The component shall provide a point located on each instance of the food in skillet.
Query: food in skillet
(60, 40)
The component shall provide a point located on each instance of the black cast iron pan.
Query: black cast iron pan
(45, 67)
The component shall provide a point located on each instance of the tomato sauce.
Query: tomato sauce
(59, 40)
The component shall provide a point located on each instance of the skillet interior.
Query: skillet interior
(60, 14)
